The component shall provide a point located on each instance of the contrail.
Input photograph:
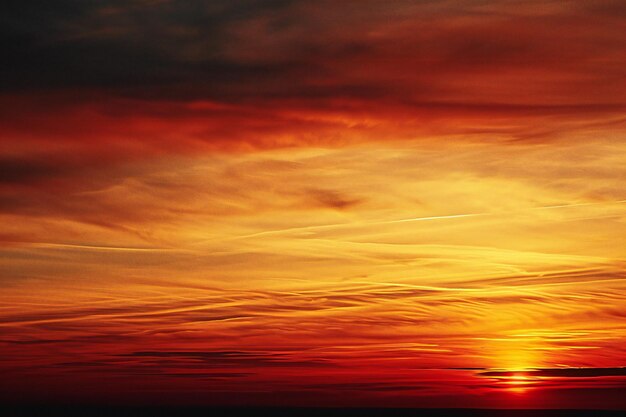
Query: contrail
(357, 224)
(578, 205)
(421, 219)
(45, 245)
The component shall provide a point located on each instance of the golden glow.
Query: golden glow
(505, 257)
(395, 203)
(518, 384)
(362, 263)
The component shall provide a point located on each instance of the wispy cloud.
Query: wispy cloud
(396, 203)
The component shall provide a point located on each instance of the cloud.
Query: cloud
(20, 170)
(560, 372)
(332, 199)
(376, 200)
(249, 47)
(126, 80)
(365, 386)
(232, 359)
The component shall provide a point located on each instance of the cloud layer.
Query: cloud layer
(408, 203)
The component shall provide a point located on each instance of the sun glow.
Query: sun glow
(518, 383)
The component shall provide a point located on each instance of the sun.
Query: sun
(517, 383)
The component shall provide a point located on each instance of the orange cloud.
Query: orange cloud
(395, 204)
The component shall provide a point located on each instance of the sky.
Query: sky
(339, 203)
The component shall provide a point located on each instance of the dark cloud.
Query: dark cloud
(260, 50)
(121, 80)
(233, 359)
(16, 170)
(148, 369)
(210, 375)
(560, 372)
(366, 386)
(122, 44)
(333, 199)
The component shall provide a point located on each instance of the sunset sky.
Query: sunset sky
(334, 202)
